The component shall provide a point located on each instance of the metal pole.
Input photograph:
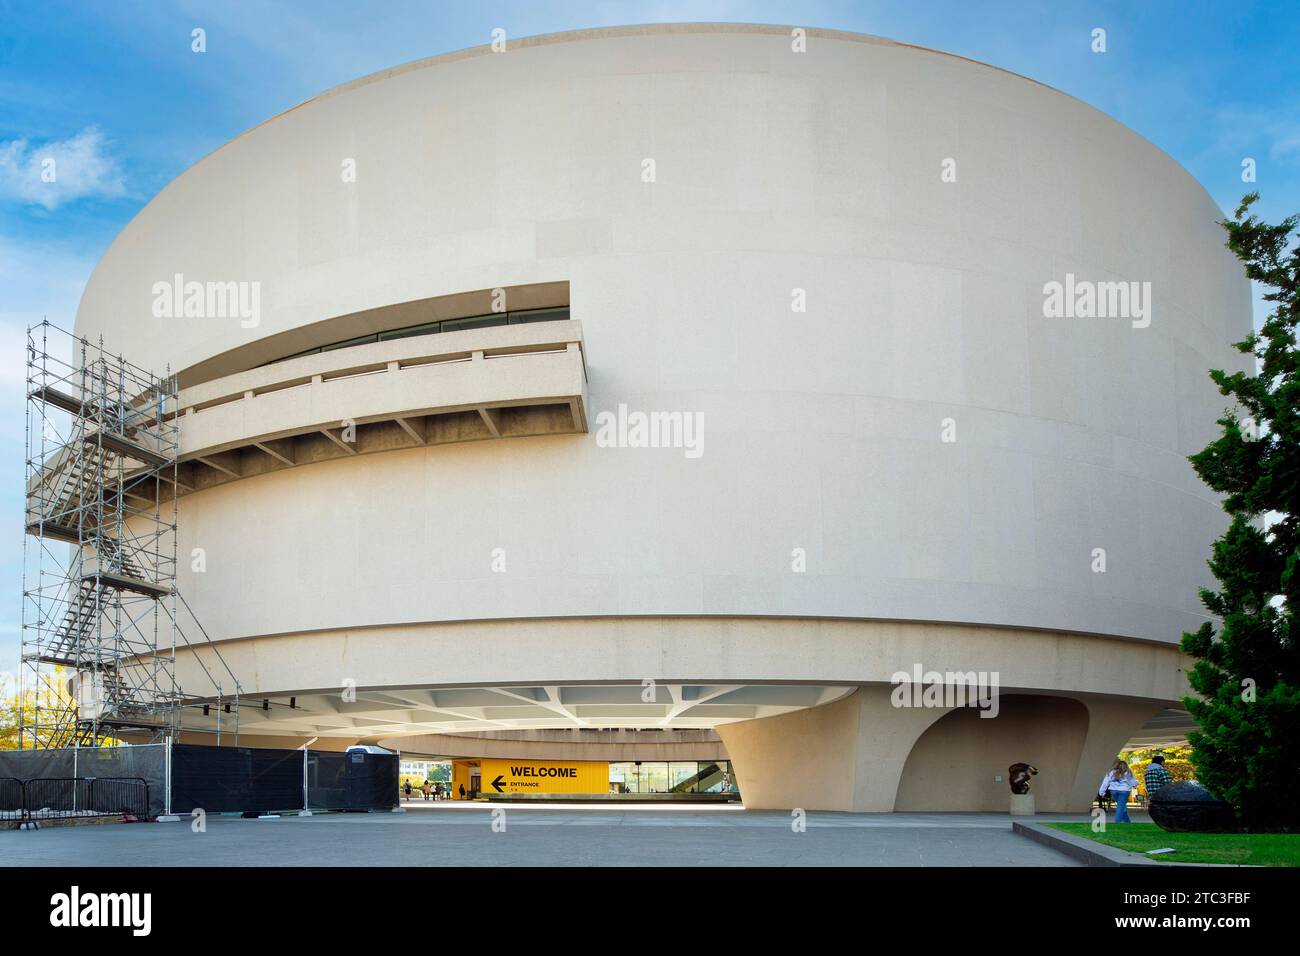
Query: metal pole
(305, 804)
(167, 778)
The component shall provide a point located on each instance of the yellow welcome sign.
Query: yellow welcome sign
(513, 777)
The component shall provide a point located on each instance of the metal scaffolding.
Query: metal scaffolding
(100, 603)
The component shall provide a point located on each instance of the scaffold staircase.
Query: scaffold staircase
(100, 603)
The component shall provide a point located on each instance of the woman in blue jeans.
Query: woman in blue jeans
(1119, 783)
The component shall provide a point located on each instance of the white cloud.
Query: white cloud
(58, 172)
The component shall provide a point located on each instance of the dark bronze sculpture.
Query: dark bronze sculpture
(1020, 774)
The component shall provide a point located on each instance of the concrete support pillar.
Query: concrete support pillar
(847, 755)
(1111, 723)
(850, 755)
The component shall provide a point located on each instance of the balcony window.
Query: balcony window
(474, 322)
(540, 315)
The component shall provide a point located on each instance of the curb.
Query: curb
(1079, 848)
(1093, 853)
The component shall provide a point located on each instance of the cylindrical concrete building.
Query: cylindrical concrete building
(697, 380)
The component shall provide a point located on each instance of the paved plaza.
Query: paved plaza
(463, 835)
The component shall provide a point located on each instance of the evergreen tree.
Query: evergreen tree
(1247, 675)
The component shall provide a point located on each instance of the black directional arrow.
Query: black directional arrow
(497, 783)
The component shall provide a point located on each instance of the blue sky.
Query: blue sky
(115, 93)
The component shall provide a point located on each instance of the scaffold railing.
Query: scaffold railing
(100, 617)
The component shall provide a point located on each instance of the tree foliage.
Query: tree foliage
(19, 708)
(1247, 670)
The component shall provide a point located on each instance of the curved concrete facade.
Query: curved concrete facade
(902, 460)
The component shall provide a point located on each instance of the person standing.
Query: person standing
(1119, 783)
(1156, 775)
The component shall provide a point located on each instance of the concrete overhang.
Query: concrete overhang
(392, 713)
(501, 382)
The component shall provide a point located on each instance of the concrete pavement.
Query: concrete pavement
(462, 835)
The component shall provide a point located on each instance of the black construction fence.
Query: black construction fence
(247, 779)
(348, 781)
(53, 798)
(146, 763)
(13, 802)
(135, 780)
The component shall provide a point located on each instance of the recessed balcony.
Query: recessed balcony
(477, 385)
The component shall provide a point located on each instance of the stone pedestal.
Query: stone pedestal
(1022, 804)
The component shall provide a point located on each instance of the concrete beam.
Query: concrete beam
(418, 436)
(492, 419)
(281, 449)
(347, 446)
(226, 462)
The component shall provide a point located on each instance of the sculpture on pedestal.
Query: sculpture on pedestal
(1020, 774)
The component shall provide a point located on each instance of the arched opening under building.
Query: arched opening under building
(960, 763)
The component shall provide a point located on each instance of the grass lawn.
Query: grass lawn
(1253, 849)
